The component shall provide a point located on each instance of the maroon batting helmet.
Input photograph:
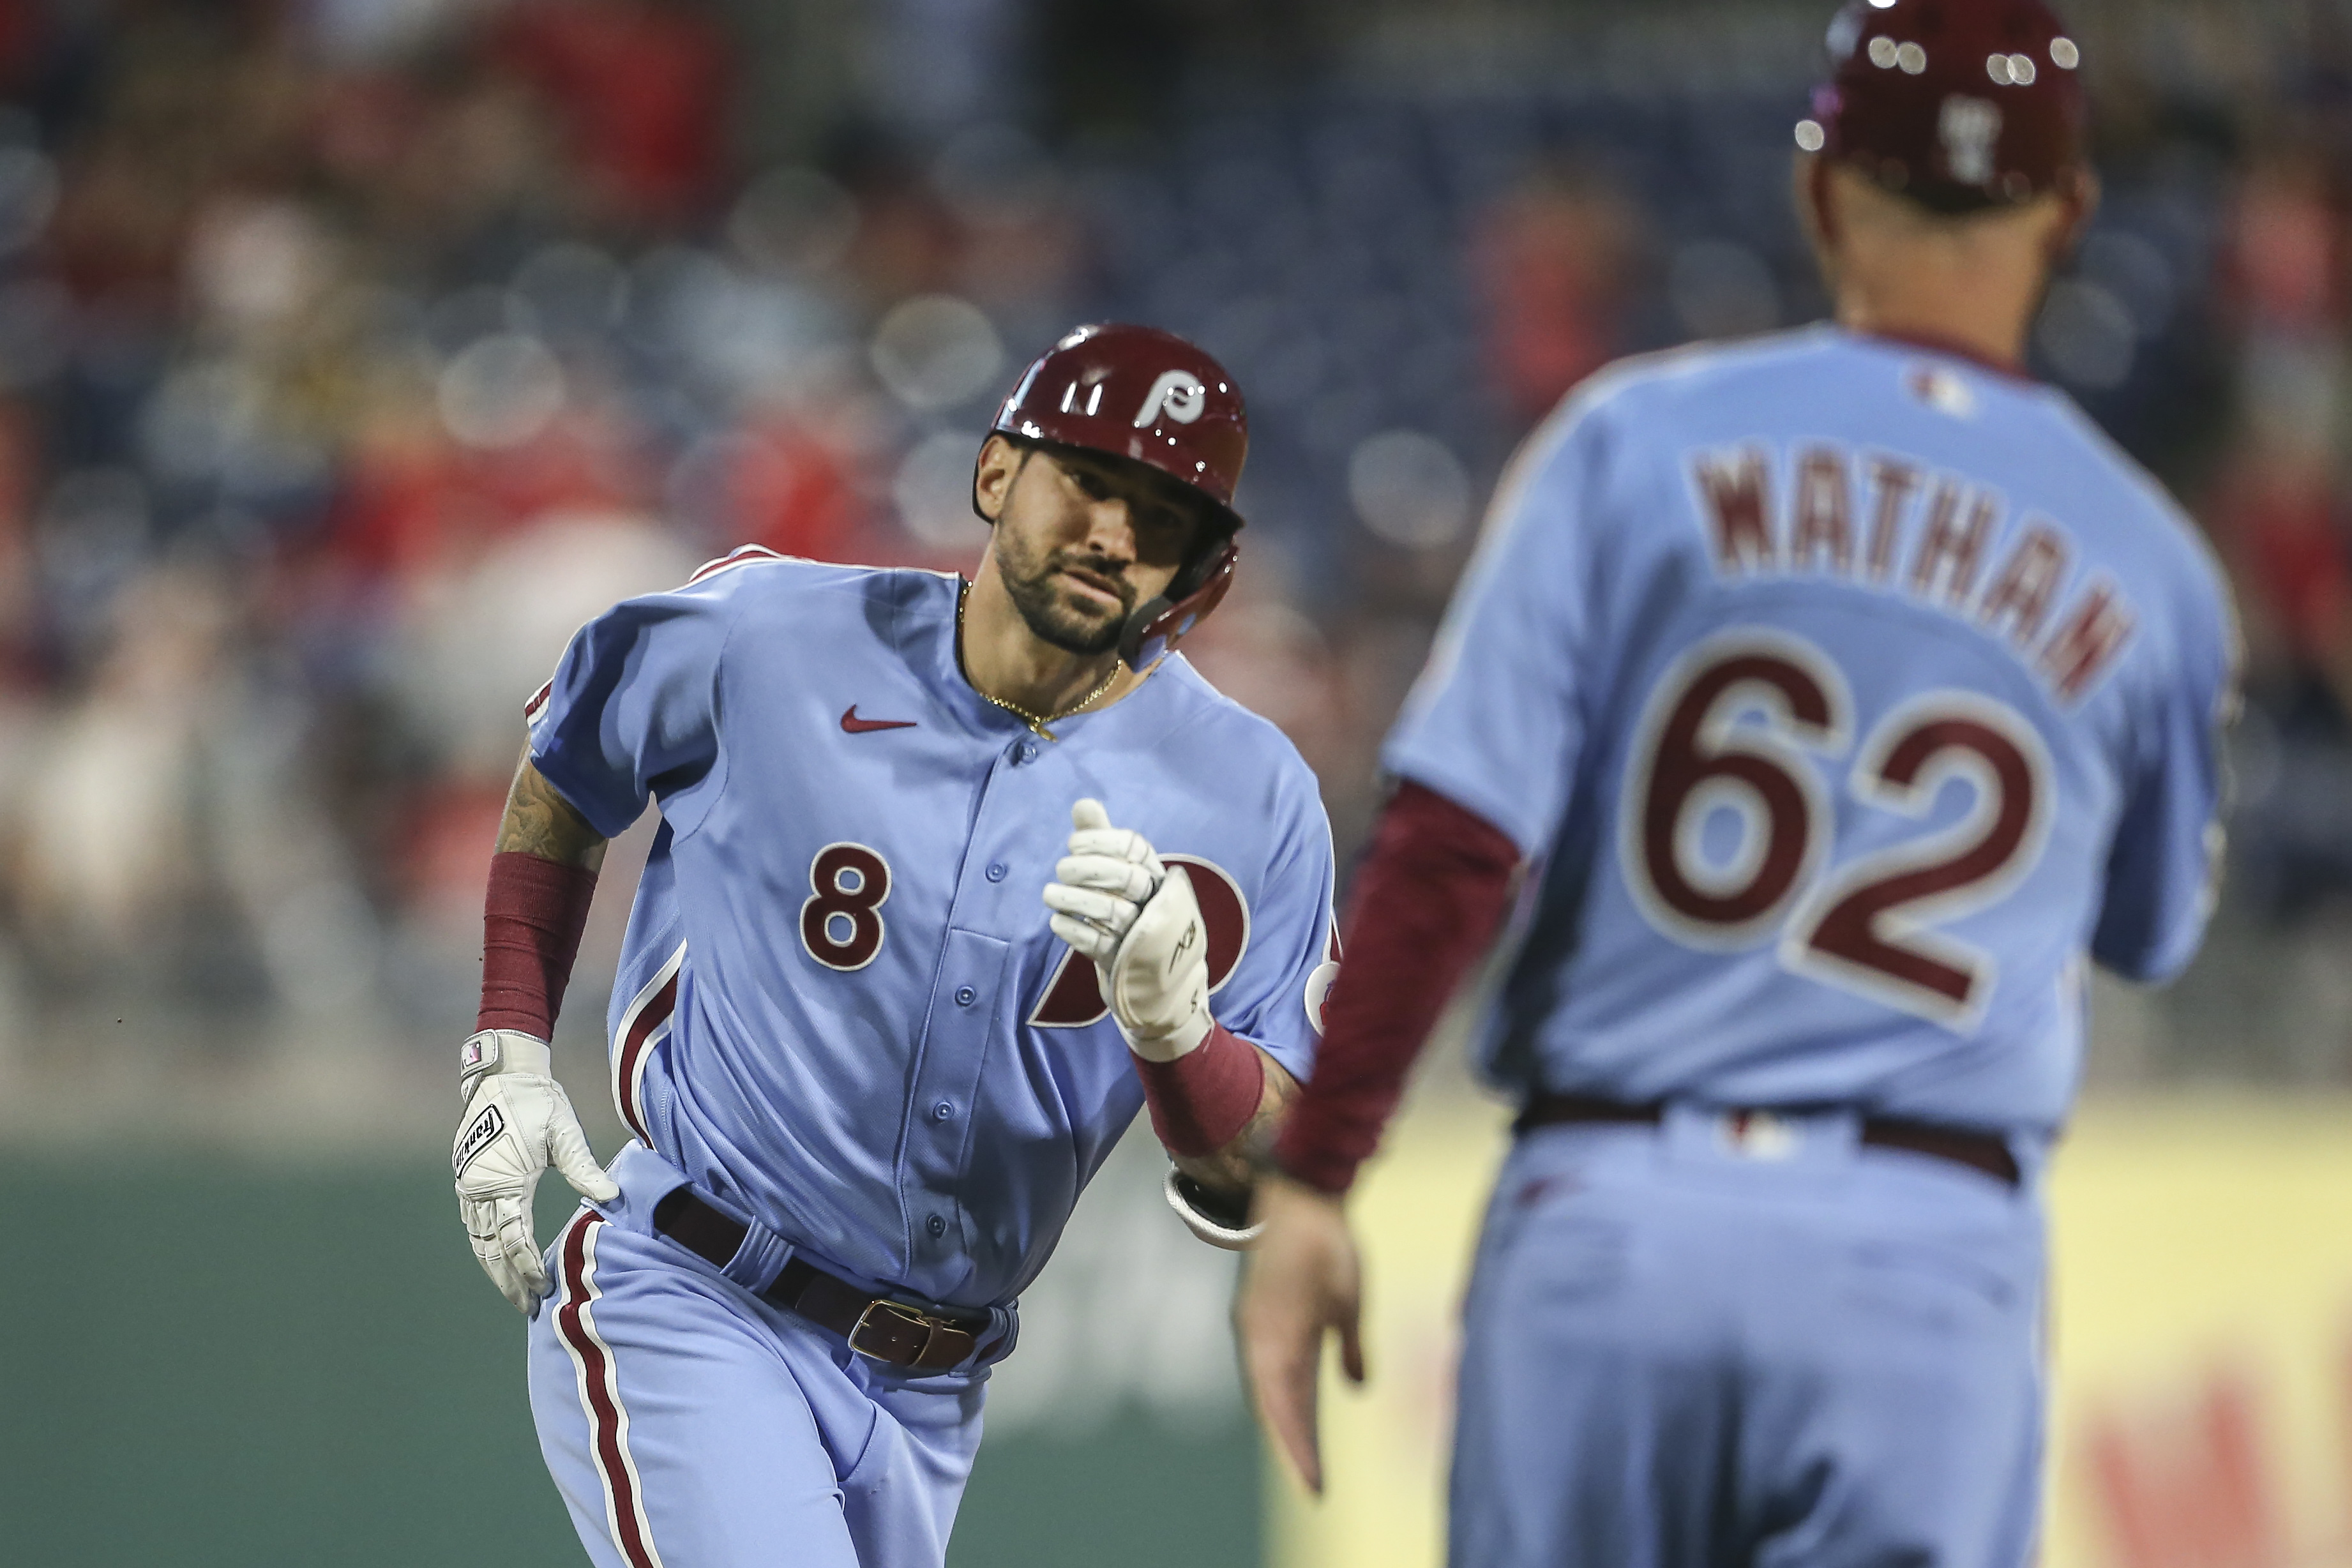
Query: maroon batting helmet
(1956, 104)
(1151, 397)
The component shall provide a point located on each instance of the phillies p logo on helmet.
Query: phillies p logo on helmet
(1139, 393)
(1178, 393)
(1969, 129)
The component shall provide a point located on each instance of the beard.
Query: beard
(1050, 613)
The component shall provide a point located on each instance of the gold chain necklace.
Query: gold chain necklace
(1036, 722)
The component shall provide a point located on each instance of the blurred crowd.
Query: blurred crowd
(352, 353)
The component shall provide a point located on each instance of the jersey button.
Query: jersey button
(996, 871)
(937, 1225)
(942, 1111)
(1028, 750)
(966, 996)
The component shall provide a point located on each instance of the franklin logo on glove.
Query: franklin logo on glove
(487, 1126)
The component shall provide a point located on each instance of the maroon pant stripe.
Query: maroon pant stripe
(605, 1413)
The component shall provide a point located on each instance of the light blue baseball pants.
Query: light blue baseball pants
(1699, 1346)
(690, 1424)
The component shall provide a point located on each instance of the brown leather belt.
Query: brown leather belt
(1977, 1151)
(897, 1333)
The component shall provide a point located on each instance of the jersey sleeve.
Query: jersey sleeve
(632, 710)
(1275, 997)
(2164, 865)
(1494, 721)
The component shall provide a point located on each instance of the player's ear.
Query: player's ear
(1813, 193)
(1816, 202)
(2078, 203)
(993, 475)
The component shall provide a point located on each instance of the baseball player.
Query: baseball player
(1831, 696)
(866, 1072)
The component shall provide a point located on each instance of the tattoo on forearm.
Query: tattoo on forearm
(1254, 1150)
(542, 823)
(1234, 1168)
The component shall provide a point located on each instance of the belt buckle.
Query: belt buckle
(904, 1313)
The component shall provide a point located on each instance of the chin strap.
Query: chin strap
(1152, 632)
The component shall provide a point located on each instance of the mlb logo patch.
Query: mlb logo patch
(1941, 390)
(1758, 1135)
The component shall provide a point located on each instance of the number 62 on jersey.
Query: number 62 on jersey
(1743, 724)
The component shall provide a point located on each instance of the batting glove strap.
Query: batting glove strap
(1158, 981)
(500, 1051)
(1216, 1219)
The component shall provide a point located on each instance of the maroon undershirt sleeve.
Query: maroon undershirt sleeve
(1201, 1101)
(532, 923)
(1427, 900)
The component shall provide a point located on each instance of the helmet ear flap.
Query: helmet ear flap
(1152, 632)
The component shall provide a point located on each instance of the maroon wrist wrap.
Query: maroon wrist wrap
(1426, 902)
(530, 934)
(1201, 1100)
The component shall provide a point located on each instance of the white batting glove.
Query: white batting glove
(517, 1123)
(1138, 921)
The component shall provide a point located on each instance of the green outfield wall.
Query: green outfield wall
(208, 1363)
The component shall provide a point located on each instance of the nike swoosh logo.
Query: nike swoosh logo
(856, 726)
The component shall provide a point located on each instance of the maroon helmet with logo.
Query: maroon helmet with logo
(1957, 104)
(1151, 397)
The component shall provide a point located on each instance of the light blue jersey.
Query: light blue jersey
(1846, 694)
(840, 1011)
